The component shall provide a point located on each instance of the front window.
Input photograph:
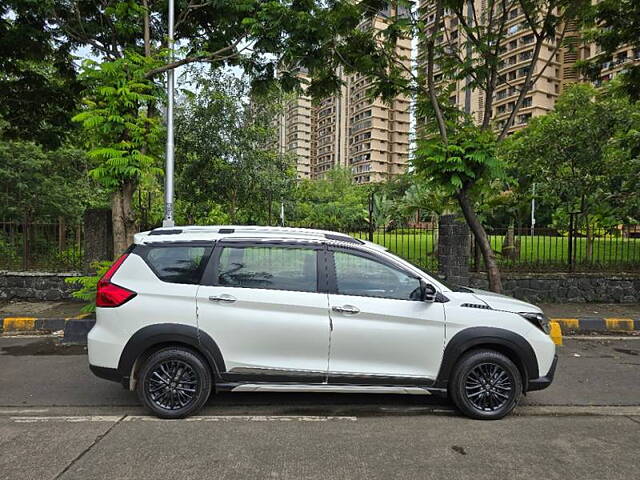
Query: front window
(361, 276)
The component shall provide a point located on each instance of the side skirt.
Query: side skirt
(323, 387)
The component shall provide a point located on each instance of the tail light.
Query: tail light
(109, 294)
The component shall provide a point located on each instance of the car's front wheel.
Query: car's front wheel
(174, 382)
(485, 385)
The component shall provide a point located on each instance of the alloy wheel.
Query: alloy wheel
(489, 387)
(172, 384)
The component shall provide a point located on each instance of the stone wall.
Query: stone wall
(35, 286)
(567, 287)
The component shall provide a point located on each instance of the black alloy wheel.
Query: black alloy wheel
(174, 382)
(485, 385)
(488, 387)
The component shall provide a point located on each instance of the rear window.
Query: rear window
(183, 264)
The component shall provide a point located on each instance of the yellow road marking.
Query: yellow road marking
(19, 324)
(619, 324)
(556, 333)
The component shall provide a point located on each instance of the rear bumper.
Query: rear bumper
(106, 373)
(543, 382)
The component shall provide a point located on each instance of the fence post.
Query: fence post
(371, 216)
(98, 237)
(25, 244)
(453, 249)
(570, 244)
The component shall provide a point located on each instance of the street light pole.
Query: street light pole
(169, 159)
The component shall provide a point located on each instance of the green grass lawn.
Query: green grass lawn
(536, 253)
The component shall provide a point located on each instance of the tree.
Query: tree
(39, 185)
(613, 24)
(259, 36)
(573, 159)
(39, 89)
(225, 164)
(333, 202)
(122, 136)
(461, 165)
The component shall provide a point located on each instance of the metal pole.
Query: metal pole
(533, 210)
(168, 171)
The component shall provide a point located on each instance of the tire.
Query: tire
(485, 385)
(161, 393)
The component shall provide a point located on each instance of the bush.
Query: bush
(89, 285)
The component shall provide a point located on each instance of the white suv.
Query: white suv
(194, 309)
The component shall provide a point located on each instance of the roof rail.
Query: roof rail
(228, 229)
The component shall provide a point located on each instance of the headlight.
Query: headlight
(539, 320)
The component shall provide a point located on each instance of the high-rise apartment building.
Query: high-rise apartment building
(294, 127)
(350, 129)
(517, 50)
(554, 70)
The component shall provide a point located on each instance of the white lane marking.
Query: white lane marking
(68, 419)
(23, 410)
(577, 410)
(600, 337)
(248, 418)
(204, 418)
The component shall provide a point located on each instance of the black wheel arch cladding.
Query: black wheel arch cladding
(514, 346)
(170, 333)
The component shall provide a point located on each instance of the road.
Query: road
(59, 422)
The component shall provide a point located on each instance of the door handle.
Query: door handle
(223, 298)
(350, 309)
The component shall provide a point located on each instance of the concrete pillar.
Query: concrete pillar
(453, 250)
(98, 237)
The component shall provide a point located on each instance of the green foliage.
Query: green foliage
(467, 160)
(37, 185)
(333, 202)
(578, 158)
(123, 137)
(39, 89)
(224, 157)
(89, 285)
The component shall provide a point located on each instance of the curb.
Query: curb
(75, 328)
(598, 324)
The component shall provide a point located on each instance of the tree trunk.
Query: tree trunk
(493, 273)
(122, 217)
(589, 231)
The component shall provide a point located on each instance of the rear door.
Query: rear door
(382, 331)
(266, 307)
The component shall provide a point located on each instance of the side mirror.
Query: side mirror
(429, 292)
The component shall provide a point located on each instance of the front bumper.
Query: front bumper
(543, 382)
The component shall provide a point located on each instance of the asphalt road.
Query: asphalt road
(57, 421)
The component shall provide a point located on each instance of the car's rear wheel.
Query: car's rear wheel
(174, 382)
(485, 385)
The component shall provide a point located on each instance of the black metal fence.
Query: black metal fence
(52, 246)
(57, 246)
(417, 244)
(547, 249)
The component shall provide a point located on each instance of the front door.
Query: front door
(263, 306)
(382, 331)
